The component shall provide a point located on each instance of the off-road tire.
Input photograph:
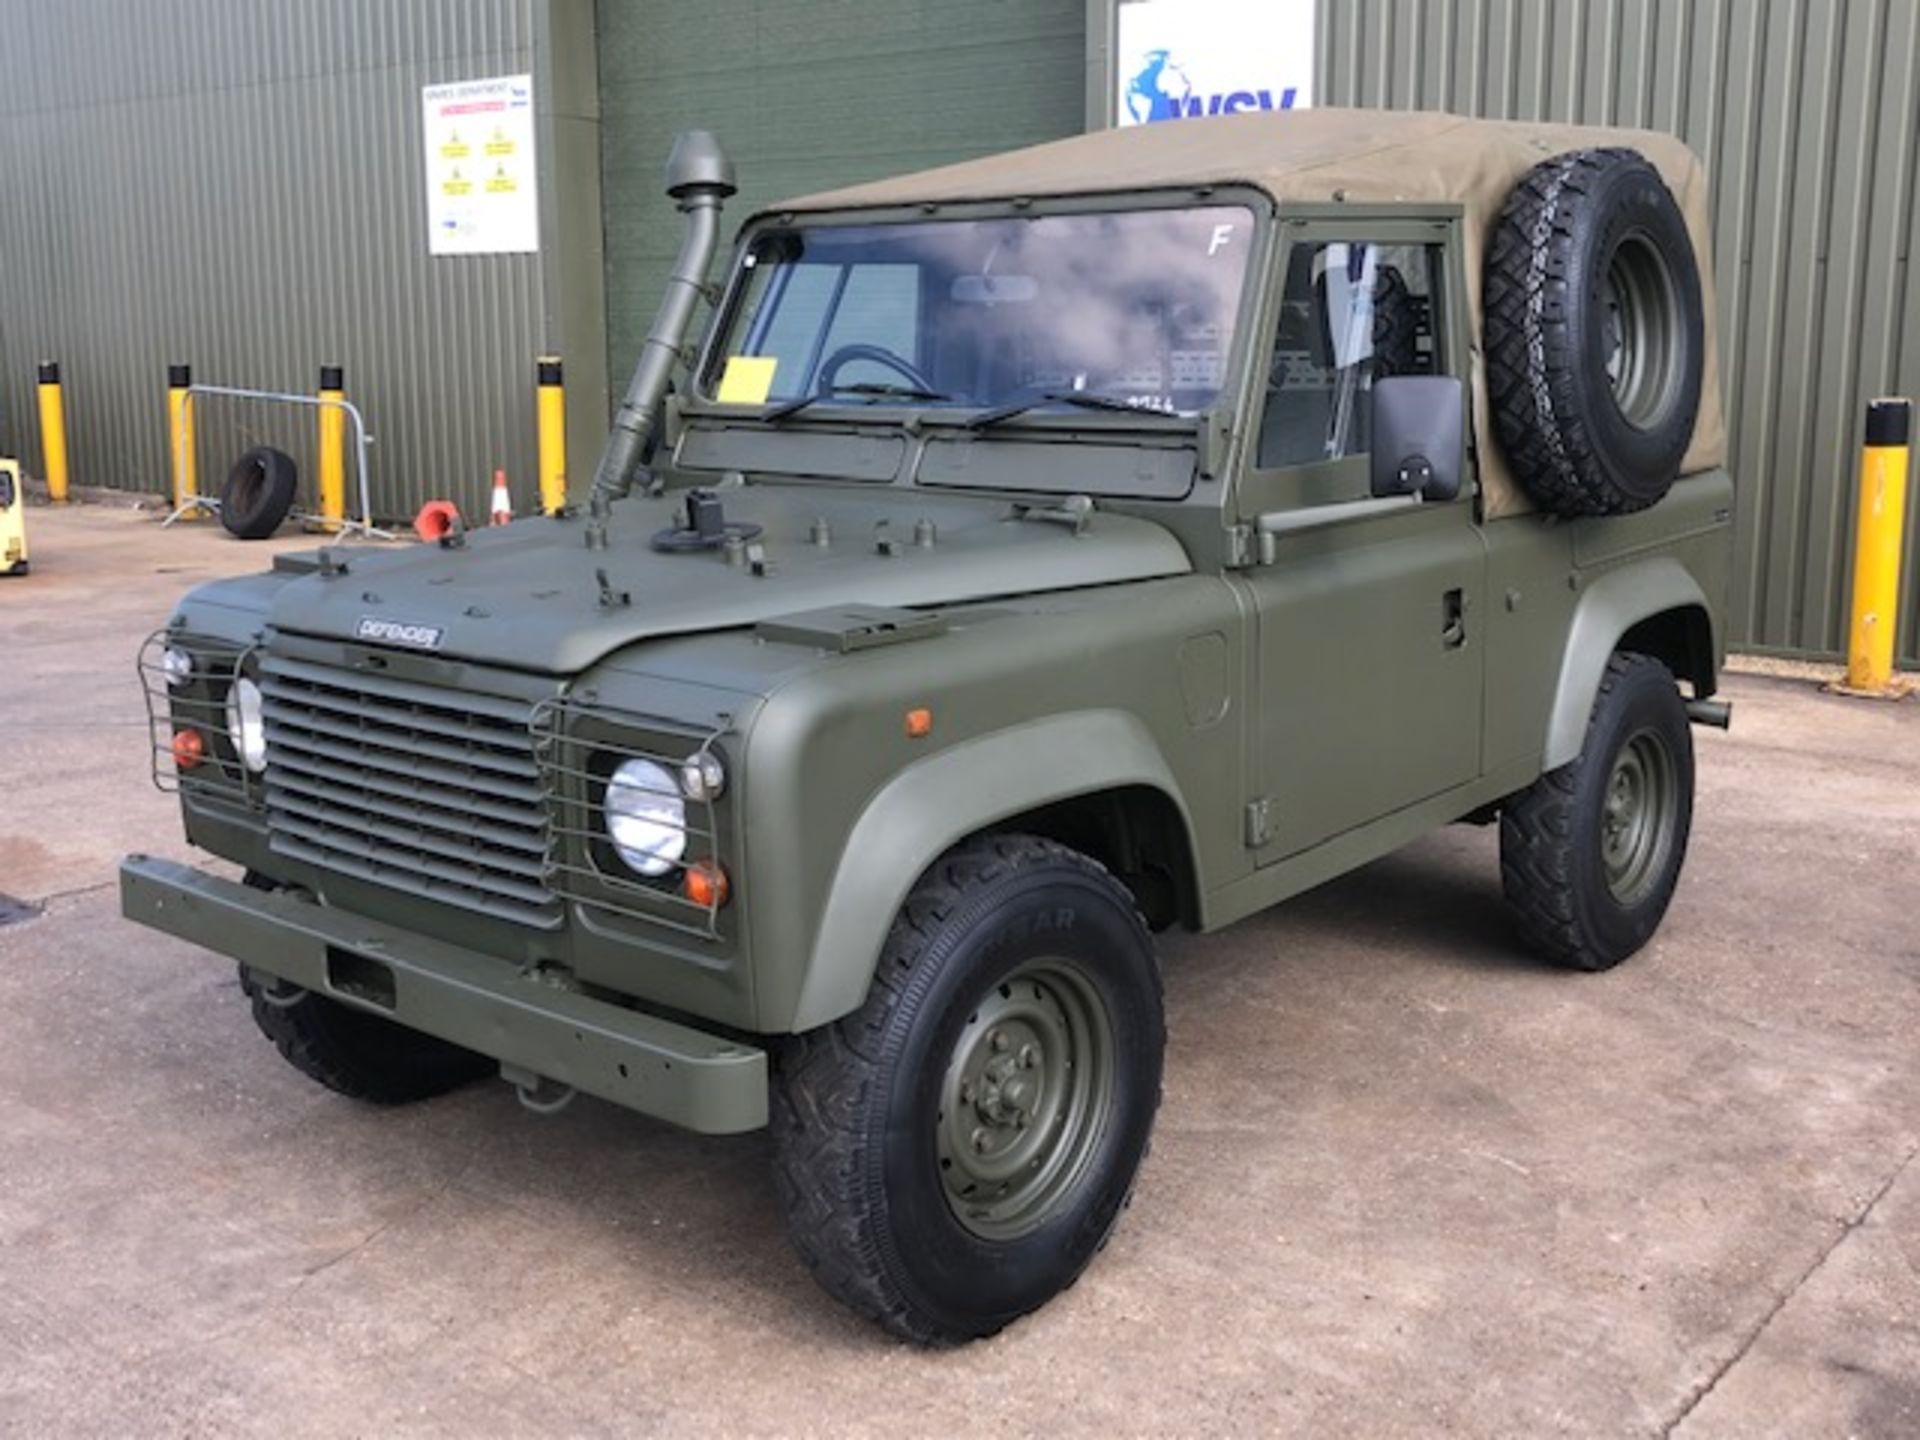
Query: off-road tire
(1586, 239)
(353, 1053)
(259, 492)
(1396, 325)
(1553, 845)
(856, 1118)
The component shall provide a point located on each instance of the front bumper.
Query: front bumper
(659, 1067)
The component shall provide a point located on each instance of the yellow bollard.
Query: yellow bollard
(1876, 549)
(333, 448)
(552, 424)
(186, 484)
(53, 431)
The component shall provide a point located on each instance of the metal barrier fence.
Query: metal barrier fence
(363, 442)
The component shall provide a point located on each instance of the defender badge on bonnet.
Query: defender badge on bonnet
(398, 632)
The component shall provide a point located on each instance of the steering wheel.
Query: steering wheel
(846, 355)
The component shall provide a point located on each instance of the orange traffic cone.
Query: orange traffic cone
(502, 501)
(437, 519)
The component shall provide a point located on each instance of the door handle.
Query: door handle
(1453, 620)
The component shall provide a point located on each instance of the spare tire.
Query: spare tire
(1396, 325)
(258, 493)
(1595, 340)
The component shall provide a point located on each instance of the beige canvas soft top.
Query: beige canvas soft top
(1357, 155)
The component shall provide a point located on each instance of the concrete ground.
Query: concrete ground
(1405, 1181)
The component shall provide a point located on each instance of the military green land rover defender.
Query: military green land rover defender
(1026, 556)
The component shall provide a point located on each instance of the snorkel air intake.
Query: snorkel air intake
(699, 178)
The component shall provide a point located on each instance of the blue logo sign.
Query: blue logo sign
(1160, 90)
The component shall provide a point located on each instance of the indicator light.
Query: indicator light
(705, 884)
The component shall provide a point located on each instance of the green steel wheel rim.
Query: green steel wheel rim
(1026, 1099)
(1639, 809)
(1641, 316)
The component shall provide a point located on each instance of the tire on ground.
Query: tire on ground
(1594, 333)
(258, 493)
(1590, 853)
(351, 1052)
(884, 1121)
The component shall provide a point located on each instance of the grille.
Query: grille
(429, 791)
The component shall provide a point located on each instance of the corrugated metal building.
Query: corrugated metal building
(237, 187)
(238, 184)
(1807, 113)
(807, 96)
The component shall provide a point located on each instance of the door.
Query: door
(1369, 613)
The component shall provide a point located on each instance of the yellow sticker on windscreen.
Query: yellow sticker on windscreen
(747, 380)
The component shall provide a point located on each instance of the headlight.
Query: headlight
(703, 777)
(245, 728)
(176, 665)
(646, 816)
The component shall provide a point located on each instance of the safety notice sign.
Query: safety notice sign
(480, 167)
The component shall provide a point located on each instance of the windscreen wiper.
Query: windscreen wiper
(870, 389)
(1078, 398)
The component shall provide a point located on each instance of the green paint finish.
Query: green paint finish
(655, 1066)
(1226, 692)
(1026, 1099)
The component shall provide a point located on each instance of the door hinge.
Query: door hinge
(1242, 547)
(1259, 822)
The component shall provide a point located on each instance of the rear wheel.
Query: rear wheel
(953, 1154)
(1590, 853)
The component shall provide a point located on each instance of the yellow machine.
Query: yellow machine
(13, 520)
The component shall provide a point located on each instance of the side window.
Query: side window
(1352, 312)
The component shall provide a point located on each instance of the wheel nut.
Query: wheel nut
(1029, 1057)
(998, 1039)
(979, 1142)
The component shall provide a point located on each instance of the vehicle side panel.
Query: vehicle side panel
(1166, 653)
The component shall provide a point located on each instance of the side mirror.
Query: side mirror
(1419, 439)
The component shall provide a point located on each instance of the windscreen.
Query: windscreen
(1136, 307)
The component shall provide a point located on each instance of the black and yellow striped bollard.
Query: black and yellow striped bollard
(551, 420)
(53, 431)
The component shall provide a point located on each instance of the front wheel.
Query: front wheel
(951, 1155)
(1590, 853)
(353, 1053)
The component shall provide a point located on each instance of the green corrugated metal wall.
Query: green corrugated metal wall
(1807, 113)
(239, 186)
(806, 96)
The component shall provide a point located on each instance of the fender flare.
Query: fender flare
(1607, 609)
(934, 803)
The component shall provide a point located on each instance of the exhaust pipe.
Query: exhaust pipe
(1717, 713)
(699, 178)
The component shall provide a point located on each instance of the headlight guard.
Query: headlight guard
(634, 813)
